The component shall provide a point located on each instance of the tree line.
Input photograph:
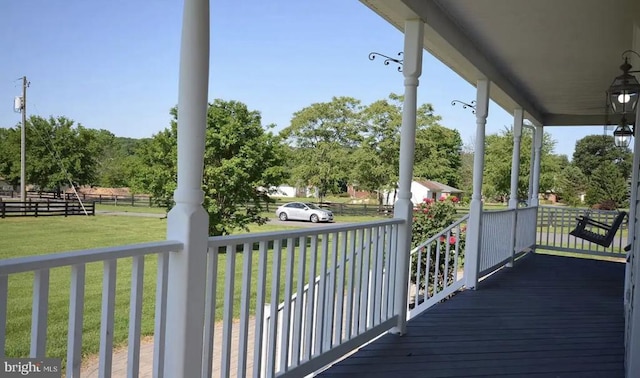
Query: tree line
(328, 145)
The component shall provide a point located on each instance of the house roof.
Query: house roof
(435, 186)
(555, 59)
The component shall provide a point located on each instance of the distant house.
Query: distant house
(291, 191)
(354, 193)
(421, 189)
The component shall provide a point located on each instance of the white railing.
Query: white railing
(42, 265)
(505, 234)
(555, 222)
(353, 270)
(436, 267)
(497, 237)
(526, 222)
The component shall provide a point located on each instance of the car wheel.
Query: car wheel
(314, 218)
(283, 216)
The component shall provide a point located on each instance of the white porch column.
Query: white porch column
(474, 229)
(535, 188)
(633, 211)
(188, 222)
(632, 271)
(518, 118)
(532, 162)
(403, 208)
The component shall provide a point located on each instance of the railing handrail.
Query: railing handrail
(439, 234)
(503, 210)
(219, 241)
(38, 262)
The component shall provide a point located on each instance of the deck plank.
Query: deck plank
(549, 316)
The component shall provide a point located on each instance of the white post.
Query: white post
(188, 222)
(532, 160)
(474, 229)
(403, 208)
(535, 188)
(633, 211)
(518, 118)
(632, 271)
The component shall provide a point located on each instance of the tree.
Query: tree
(438, 150)
(10, 156)
(497, 171)
(607, 185)
(58, 153)
(119, 161)
(466, 169)
(324, 136)
(376, 160)
(241, 160)
(593, 151)
(572, 183)
(606, 168)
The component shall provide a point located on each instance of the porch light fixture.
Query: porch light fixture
(622, 134)
(624, 90)
(388, 59)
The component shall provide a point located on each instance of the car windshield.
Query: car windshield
(312, 206)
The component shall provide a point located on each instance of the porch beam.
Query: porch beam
(403, 208)
(535, 173)
(187, 221)
(474, 231)
(439, 24)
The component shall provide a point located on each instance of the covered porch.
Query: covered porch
(292, 303)
(549, 316)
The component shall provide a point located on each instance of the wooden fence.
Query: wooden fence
(45, 208)
(147, 201)
(106, 199)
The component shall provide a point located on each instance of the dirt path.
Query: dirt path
(119, 368)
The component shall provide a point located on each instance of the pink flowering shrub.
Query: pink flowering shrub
(430, 218)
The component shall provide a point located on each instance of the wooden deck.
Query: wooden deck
(548, 316)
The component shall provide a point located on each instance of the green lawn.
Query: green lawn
(131, 209)
(34, 236)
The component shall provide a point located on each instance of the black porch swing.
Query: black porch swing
(597, 232)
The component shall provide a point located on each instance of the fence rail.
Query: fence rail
(103, 199)
(45, 208)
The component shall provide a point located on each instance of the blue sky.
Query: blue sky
(114, 64)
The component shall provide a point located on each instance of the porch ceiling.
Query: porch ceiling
(554, 58)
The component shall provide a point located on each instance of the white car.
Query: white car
(303, 211)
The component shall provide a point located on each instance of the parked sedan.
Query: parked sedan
(303, 211)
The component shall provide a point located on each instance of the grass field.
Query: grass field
(131, 209)
(45, 235)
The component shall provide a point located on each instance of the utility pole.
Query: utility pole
(23, 142)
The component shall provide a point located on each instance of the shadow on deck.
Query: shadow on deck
(549, 316)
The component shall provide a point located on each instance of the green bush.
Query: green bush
(429, 218)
